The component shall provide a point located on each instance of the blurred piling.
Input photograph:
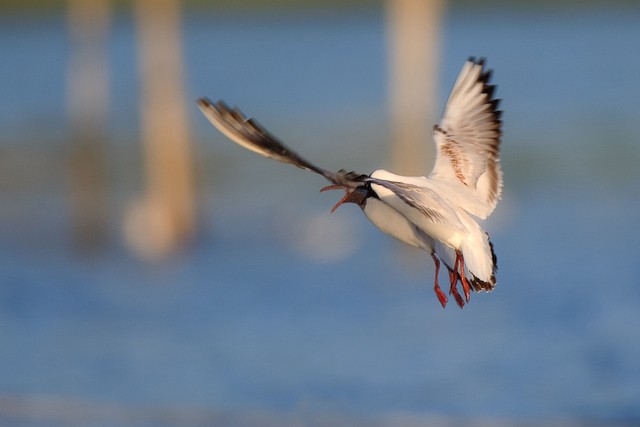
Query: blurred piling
(88, 103)
(413, 34)
(164, 218)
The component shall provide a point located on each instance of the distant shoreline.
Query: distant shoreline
(47, 6)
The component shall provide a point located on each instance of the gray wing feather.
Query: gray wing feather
(412, 196)
(248, 133)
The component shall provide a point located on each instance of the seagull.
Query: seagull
(434, 213)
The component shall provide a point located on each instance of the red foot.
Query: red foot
(441, 296)
(453, 278)
(466, 288)
(463, 279)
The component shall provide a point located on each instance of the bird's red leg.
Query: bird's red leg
(463, 279)
(441, 296)
(453, 280)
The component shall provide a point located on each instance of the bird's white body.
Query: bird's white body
(450, 232)
(466, 180)
(459, 232)
(435, 212)
(390, 221)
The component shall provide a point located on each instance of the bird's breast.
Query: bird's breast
(391, 222)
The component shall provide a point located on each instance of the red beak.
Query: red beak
(337, 187)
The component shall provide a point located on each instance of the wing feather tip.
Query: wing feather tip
(203, 102)
(477, 60)
(487, 286)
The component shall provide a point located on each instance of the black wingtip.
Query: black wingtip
(219, 105)
(222, 106)
(477, 61)
(204, 102)
(480, 285)
(489, 89)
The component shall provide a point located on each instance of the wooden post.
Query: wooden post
(88, 98)
(164, 218)
(413, 32)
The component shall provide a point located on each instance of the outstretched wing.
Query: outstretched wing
(251, 135)
(468, 142)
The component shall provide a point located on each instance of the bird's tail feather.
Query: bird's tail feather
(481, 264)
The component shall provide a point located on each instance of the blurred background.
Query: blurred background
(153, 273)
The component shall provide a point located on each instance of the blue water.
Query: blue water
(280, 308)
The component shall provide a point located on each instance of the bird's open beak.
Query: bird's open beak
(345, 199)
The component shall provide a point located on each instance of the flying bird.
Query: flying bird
(433, 213)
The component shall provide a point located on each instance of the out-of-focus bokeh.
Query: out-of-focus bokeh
(154, 273)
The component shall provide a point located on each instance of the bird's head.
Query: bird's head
(358, 195)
